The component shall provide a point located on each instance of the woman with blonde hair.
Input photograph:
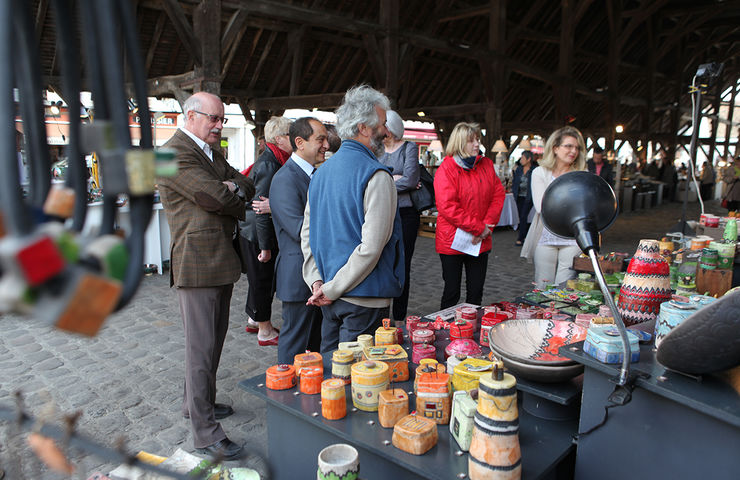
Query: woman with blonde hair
(469, 197)
(565, 151)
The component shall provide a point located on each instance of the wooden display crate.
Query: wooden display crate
(428, 226)
(583, 264)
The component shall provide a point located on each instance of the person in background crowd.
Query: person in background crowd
(552, 254)
(469, 197)
(260, 244)
(301, 323)
(402, 158)
(351, 235)
(731, 177)
(707, 179)
(203, 203)
(521, 188)
(669, 176)
(598, 166)
(334, 141)
(261, 144)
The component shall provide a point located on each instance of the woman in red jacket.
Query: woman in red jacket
(469, 198)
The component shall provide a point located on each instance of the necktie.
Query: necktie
(207, 150)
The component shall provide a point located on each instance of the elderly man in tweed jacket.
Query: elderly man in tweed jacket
(203, 203)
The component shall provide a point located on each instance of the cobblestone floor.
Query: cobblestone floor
(127, 381)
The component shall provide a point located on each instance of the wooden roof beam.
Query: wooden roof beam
(184, 29)
(326, 100)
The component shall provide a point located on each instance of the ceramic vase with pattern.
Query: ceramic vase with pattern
(338, 462)
(646, 285)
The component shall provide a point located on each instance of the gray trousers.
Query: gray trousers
(205, 318)
(344, 321)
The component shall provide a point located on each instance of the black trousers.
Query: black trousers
(261, 288)
(410, 229)
(301, 330)
(475, 277)
(344, 322)
(523, 207)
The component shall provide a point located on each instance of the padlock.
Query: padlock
(140, 169)
(99, 137)
(109, 254)
(78, 301)
(165, 164)
(65, 240)
(36, 257)
(60, 202)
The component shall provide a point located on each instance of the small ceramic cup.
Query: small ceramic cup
(338, 462)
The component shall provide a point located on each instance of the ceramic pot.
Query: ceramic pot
(646, 284)
(338, 462)
(333, 401)
(672, 314)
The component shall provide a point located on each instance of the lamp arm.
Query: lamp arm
(624, 373)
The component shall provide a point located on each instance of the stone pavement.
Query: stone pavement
(127, 381)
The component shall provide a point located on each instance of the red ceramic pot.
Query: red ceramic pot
(463, 346)
(461, 330)
(422, 351)
(646, 284)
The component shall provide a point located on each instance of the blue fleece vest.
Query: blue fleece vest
(336, 195)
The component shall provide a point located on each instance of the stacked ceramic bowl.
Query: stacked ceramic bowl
(529, 348)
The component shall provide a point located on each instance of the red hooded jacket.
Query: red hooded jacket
(466, 199)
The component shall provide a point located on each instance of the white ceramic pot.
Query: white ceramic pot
(338, 462)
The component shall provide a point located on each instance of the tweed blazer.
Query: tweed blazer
(288, 195)
(202, 215)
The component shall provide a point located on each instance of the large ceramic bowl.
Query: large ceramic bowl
(535, 341)
(540, 373)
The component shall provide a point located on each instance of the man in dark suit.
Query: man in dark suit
(598, 166)
(301, 323)
(203, 202)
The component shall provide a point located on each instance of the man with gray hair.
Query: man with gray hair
(351, 236)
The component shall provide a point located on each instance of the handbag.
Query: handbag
(725, 202)
(240, 247)
(423, 197)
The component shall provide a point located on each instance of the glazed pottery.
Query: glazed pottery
(368, 380)
(538, 373)
(464, 346)
(386, 335)
(422, 351)
(494, 447)
(411, 322)
(646, 284)
(354, 347)
(453, 361)
(535, 341)
(365, 340)
(338, 462)
(394, 356)
(672, 314)
(489, 320)
(726, 254)
(423, 335)
(333, 401)
(605, 344)
(461, 418)
(414, 434)
(467, 314)
(428, 366)
(308, 359)
(461, 329)
(730, 233)
(468, 372)
(433, 397)
(393, 405)
(709, 258)
(341, 364)
(310, 380)
(280, 377)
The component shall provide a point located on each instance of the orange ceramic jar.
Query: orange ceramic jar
(311, 378)
(308, 359)
(333, 400)
(280, 377)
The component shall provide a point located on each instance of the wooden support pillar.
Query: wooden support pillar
(728, 129)
(207, 29)
(493, 74)
(295, 41)
(389, 19)
(564, 85)
(614, 15)
(647, 127)
(715, 122)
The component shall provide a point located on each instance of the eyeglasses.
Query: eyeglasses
(570, 147)
(213, 118)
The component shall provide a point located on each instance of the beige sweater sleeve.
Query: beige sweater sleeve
(380, 209)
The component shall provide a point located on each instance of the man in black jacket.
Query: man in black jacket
(260, 245)
(598, 166)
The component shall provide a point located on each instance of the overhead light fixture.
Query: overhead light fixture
(500, 147)
(420, 114)
(525, 144)
(251, 126)
(56, 107)
(619, 128)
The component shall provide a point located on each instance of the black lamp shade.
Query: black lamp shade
(579, 205)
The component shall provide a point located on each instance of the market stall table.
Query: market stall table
(675, 426)
(297, 432)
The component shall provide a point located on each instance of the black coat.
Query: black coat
(258, 229)
(515, 184)
(607, 171)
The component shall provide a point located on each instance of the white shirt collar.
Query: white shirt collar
(305, 166)
(203, 145)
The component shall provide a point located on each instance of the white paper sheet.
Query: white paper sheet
(463, 242)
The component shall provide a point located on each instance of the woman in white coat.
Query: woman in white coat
(552, 254)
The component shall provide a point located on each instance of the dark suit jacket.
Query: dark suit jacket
(202, 215)
(607, 171)
(288, 195)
